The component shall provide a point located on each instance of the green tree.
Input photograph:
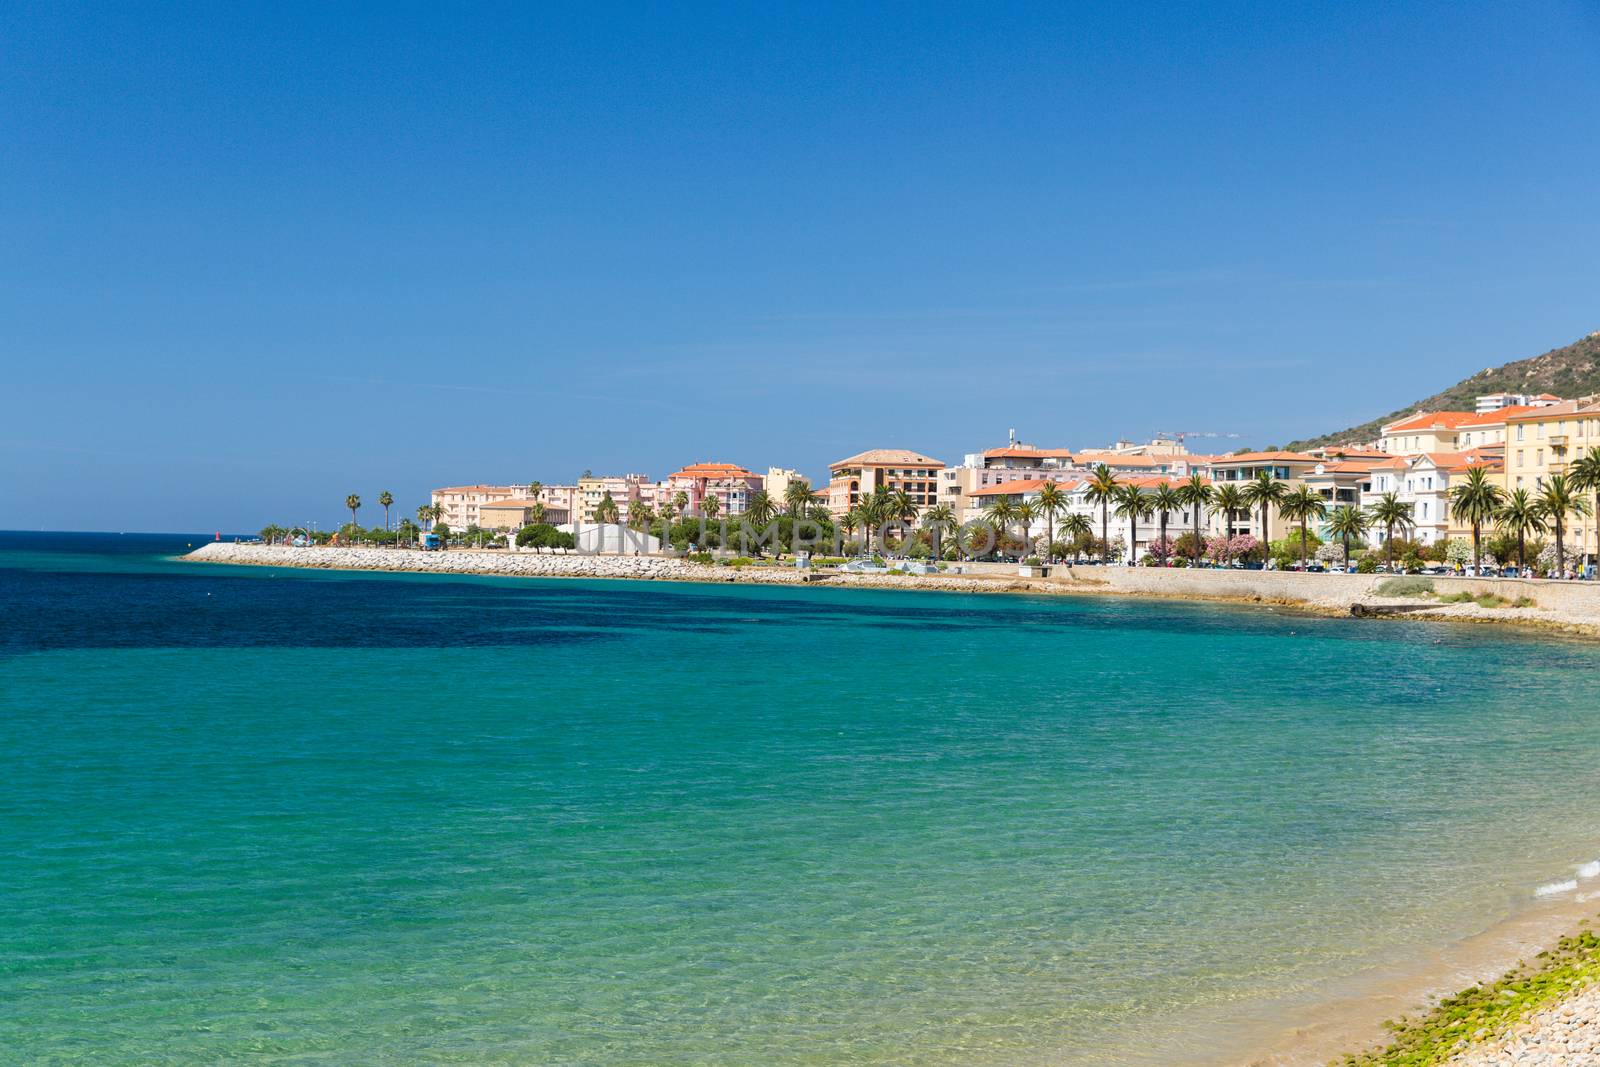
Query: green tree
(710, 505)
(1164, 500)
(1102, 491)
(1077, 526)
(1264, 491)
(1520, 516)
(1227, 501)
(386, 498)
(607, 511)
(1585, 478)
(1052, 502)
(799, 496)
(1347, 522)
(939, 520)
(1301, 505)
(1477, 500)
(1196, 494)
(760, 508)
(1133, 504)
(353, 502)
(1390, 511)
(1001, 513)
(1558, 501)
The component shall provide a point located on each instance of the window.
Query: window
(1520, 429)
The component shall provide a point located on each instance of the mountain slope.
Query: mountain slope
(1567, 372)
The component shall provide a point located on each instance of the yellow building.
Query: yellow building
(1450, 431)
(1546, 441)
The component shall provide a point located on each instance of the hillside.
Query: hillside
(1567, 372)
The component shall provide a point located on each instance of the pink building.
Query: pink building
(731, 484)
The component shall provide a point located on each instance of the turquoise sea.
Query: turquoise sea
(256, 816)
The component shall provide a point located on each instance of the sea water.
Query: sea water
(271, 815)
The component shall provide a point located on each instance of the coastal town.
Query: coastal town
(1503, 488)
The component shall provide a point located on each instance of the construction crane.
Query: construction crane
(1181, 434)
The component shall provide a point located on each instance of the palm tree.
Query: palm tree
(760, 508)
(1390, 511)
(1263, 491)
(1132, 503)
(425, 514)
(1477, 500)
(640, 516)
(1196, 493)
(938, 521)
(386, 498)
(1521, 515)
(1001, 513)
(1558, 501)
(1165, 499)
(535, 487)
(1585, 477)
(1347, 522)
(536, 511)
(352, 502)
(799, 496)
(868, 514)
(680, 500)
(1052, 502)
(1027, 511)
(709, 506)
(1302, 504)
(1227, 501)
(1076, 525)
(900, 506)
(1103, 486)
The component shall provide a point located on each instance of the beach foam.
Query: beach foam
(1556, 887)
(1590, 869)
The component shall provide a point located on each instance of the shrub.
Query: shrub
(1367, 564)
(1408, 586)
(1031, 561)
(699, 557)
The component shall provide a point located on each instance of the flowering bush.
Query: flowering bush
(1228, 549)
(1458, 551)
(1332, 552)
(1161, 548)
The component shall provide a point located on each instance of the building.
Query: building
(1496, 401)
(1241, 468)
(883, 468)
(514, 513)
(731, 485)
(779, 479)
(1422, 481)
(625, 491)
(1118, 527)
(1178, 465)
(462, 504)
(998, 466)
(1546, 441)
(1448, 431)
(1343, 481)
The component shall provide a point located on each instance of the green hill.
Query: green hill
(1567, 372)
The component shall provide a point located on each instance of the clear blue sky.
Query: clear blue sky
(255, 257)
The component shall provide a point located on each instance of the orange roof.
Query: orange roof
(1257, 457)
(713, 470)
(1364, 466)
(1028, 453)
(888, 457)
(1021, 485)
(1427, 420)
(506, 489)
(1091, 458)
(511, 503)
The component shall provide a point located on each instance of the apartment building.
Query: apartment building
(883, 468)
(462, 504)
(999, 466)
(731, 485)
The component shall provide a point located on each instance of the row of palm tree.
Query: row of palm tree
(353, 502)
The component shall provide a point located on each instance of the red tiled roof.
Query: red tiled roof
(1028, 453)
(1427, 420)
(888, 457)
(1018, 487)
(713, 470)
(1257, 457)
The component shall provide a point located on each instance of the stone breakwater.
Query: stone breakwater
(1566, 1034)
(511, 564)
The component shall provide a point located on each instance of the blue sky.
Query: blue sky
(253, 258)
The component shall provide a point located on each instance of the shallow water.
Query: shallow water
(251, 815)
